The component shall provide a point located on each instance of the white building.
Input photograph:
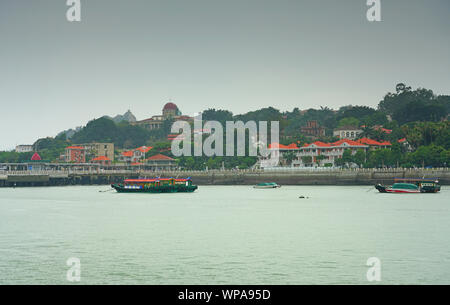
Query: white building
(24, 148)
(134, 156)
(309, 155)
(328, 152)
(347, 132)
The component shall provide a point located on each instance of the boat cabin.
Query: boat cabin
(156, 182)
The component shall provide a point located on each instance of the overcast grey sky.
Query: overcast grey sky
(239, 55)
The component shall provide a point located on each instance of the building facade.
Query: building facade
(95, 150)
(102, 160)
(312, 128)
(347, 132)
(322, 154)
(169, 111)
(161, 162)
(134, 156)
(75, 154)
(373, 144)
(24, 148)
(309, 155)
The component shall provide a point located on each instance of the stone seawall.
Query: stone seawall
(314, 177)
(318, 178)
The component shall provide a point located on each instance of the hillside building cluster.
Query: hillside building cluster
(315, 153)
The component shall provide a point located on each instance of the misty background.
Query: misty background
(236, 55)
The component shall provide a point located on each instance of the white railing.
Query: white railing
(66, 173)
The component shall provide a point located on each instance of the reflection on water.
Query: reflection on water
(224, 235)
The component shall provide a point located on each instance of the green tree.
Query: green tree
(359, 157)
(307, 159)
(289, 156)
(350, 121)
(319, 158)
(406, 105)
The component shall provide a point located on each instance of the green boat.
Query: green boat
(411, 185)
(156, 185)
(267, 185)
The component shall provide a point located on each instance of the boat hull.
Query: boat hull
(266, 187)
(156, 189)
(391, 189)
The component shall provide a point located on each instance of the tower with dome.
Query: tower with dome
(170, 111)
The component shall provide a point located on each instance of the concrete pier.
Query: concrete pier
(227, 177)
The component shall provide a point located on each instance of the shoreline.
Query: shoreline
(213, 177)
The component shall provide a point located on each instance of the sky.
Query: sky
(239, 55)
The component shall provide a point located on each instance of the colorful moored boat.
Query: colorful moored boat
(155, 185)
(405, 185)
(267, 185)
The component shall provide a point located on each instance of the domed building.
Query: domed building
(169, 111)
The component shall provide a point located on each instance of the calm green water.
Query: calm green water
(224, 235)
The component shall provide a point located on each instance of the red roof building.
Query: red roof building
(36, 157)
(374, 144)
(329, 152)
(382, 129)
(76, 154)
(349, 142)
(159, 157)
(169, 111)
(127, 153)
(102, 160)
(279, 146)
(144, 149)
(161, 162)
(171, 106)
(135, 155)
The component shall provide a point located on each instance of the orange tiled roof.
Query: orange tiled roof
(159, 157)
(74, 147)
(144, 149)
(388, 131)
(402, 140)
(337, 143)
(318, 143)
(127, 153)
(368, 141)
(349, 142)
(101, 158)
(281, 146)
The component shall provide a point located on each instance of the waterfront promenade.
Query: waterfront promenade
(283, 176)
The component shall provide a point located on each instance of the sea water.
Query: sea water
(224, 235)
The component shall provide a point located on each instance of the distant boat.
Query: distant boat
(405, 185)
(267, 185)
(156, 185)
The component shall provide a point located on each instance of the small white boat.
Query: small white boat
(267, 185)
